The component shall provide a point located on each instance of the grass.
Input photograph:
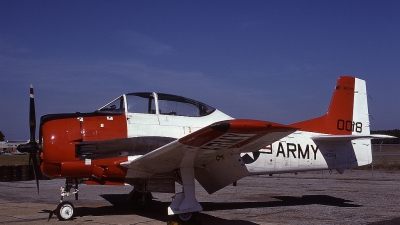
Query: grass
(14, 160)
(383, 165)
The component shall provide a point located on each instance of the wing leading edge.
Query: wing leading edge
(216, 149)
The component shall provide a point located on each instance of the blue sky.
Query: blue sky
(271, 60)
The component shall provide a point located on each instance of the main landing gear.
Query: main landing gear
(140, 199)
(184, 205)
(187, 217)
(65, 210)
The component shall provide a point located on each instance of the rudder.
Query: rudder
(347, 113)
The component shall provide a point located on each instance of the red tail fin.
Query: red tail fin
(347, 113)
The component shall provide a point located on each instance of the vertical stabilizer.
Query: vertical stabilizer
(347, 113)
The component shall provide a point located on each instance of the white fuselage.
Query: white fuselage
(299, 152)
(294, 153)
(172, 126)
(166, 116)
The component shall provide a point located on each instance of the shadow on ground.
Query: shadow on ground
(395, 221)
(158, 210)
(284, 201)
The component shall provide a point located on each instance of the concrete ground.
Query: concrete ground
(355, 197)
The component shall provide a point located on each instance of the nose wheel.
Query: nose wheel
(65, 210)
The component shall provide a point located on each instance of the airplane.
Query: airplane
(153, 140)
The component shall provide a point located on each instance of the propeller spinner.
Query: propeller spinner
(32, 147)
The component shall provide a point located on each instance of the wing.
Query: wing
(216, 150)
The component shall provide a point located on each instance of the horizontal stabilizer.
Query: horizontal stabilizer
(349, 137)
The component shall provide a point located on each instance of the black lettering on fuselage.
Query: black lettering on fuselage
(280, 150)
(315, 150)
(290, 147)
(303, 152)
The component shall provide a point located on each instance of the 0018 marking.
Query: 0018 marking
(349, 126)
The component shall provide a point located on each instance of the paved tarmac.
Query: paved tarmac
(355, 197)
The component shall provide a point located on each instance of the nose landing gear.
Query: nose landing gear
(65, 210)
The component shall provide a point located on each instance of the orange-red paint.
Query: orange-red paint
(341, 108)
(61, 135)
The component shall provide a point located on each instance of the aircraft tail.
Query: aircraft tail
(347, 113)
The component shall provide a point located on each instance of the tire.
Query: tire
(186, 217)
(65, 211)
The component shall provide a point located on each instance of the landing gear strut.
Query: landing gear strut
(65, 210)
(184, 204)
(140, 199)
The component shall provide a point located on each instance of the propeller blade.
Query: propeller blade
(25, 148)
(36, 168)
(32, 116)
(32, 143)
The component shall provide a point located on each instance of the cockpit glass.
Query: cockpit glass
(177, 108)
(116, 106)
(180, 106)
(141, 103)
(144, 102)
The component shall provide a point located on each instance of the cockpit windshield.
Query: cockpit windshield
(116, 106)
(158, 103)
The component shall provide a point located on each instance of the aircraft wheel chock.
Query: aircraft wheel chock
(65, 211)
